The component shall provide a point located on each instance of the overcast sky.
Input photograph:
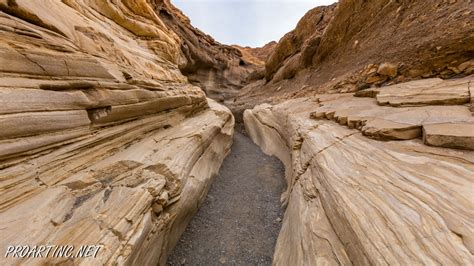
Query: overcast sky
(246, 22)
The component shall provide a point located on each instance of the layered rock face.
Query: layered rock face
(256, 57)
(103, 140)
(221, 70)
(259, 54)
(370, 108)
(352, 199)
(294, 51)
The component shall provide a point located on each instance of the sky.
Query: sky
(251, 23)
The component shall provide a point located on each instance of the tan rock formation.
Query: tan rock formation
(103, 140)
(258, 55)
(292, 51)
(354, 200)
(387, 69)
(385, 177)
(426, 92)
(451, 135)
(400, 122)
(221, 70)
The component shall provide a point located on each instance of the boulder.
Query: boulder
(388, 69)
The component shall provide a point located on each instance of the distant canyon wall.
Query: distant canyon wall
(353, 45)
(221, 70)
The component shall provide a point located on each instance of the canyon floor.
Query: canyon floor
(241, 216)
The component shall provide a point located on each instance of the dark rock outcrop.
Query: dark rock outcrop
(347, 47)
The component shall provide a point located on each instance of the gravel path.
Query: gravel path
(240, 219)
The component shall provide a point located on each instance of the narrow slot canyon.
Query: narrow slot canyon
(239, 221)
(129, 136)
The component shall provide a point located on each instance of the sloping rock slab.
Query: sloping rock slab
(426, 92)
(133, 191)
(103, 141)
(385, 122)
(354, 200)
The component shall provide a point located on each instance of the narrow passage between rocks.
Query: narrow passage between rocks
(239, 221)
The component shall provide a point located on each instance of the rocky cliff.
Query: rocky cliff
(370, 108)
(103, 140)
(259, 55)
(221, 70)
(354, 45)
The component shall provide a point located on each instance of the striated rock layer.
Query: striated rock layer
(369, 106)
(352, 199)
(257, 55)
(103, 140)
(403, 112)
(353, 45)
(372, 116)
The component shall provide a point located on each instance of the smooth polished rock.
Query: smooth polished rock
(355, 200)
(103, 141)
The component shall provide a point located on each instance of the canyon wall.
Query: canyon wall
(221, 70)
(369, 105)
(108, 137)
(354, 45)
(258, 55)
(103, 140)
(353, 199)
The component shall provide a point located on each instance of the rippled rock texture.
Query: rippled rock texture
(369, 106)
(103, 141)
(355, 200)
(363, 188)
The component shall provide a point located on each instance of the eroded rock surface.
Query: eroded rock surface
(103, 140)
(369, 106)
(354, 200)
(408, 114)
(221, 70)
(258, 55)
(451, 135)
(427, 92)
(354, 45)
